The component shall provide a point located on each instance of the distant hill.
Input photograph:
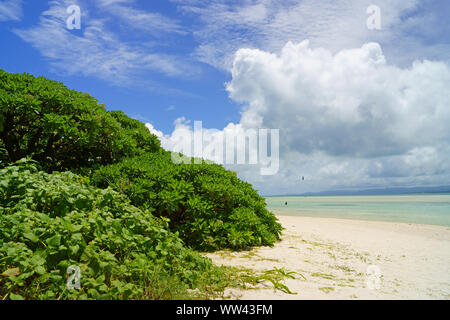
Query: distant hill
(381, 191)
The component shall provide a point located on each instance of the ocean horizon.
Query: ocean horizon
(423, 208)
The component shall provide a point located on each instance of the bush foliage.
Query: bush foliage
(209, 206)
(49, 222)
(63, 129)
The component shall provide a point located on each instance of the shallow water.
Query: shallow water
(417, 208)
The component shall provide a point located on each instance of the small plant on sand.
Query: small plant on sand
(275, 276)
(326, 289)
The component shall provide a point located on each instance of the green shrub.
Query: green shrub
(67, 130)
(207, 205)
(49, 222)
(63, 129)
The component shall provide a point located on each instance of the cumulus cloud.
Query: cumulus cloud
(349, 104)
(345, 119)
(152, 129)
(234, 145)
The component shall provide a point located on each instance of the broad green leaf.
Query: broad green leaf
(11, 272)
(54, 241)
(13, 296)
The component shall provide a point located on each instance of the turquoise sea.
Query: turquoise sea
(412, 208)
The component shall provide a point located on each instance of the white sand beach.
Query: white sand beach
(334, 255)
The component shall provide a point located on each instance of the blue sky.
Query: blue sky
(152, 94)
(163, 60)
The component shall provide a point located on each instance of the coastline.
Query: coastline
(433, 209)
(334, 255)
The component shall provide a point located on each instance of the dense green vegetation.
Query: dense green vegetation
(117, 207)
(208, 206)
(49, 222)
(63, 129)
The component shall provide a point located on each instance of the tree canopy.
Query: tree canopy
(64, 129)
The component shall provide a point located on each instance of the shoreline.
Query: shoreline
(332, 216)
(420, 209)
(280, 214)
(334, 255)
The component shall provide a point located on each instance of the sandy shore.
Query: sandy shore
(334, 255)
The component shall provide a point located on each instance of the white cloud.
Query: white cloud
(152, 129)
(113, 2)
(11, 10)
(225, 26)
(352, 103)
(98, 51)
(370, 123)
(234, 145)
(345, 119)
(153, 22)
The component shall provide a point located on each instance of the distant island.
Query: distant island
(378, 191)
